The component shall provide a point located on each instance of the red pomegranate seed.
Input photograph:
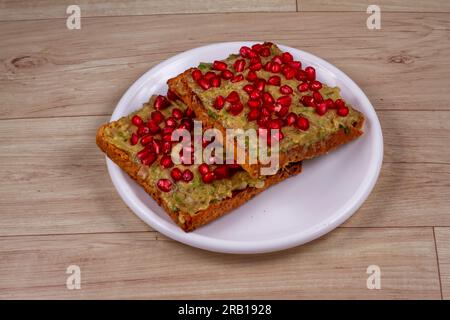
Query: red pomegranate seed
(301, 76)
(268, 99)
(166, 161)
(266, 111)
(256, 66)
(221, 172)
(171, 122)
(262, 121)
(286, 57)
(164, 185)
(204, 83)
(264, 52)
(208, 177)
(277, 59)
(219, 65)
(146, 139)
(274, 80)
(167, 144)
(317, 97)
(148, 161)
(274, 124)
(143, 130)
(330, 103)
(237, 78)
(233, 97)
(308, 101)
(196, 75)
(260, 84)
(137, 121)
(276, 67)
(161, 102)
(248, 88)
(187, 175)
(302, 123)
(215, 82)
(244, 51)
(252, 104)
(310, 73)
(252, 54)
(177, 113)
(257, 46)
(253, 115)
(227, 74)
(171, 95)
(291, 119)
(153, 126)
(167, 130)
(283, 111)
(315, 85)
(157, 116)
(255, 95)
(302, 87)
(134, 139)
(209, 75)
(188, 123)
(203, 169)
(295, 64)
(252, 76)
(285, 89)
(284, 101)
(156, 146)
(176, 174)
(268, 66)
(189, 113)
(236, 108)
(321, 108)
(143, 154)
(239, 65)
(219, 102)
(288, 72)
(343, 112)
(339, 103)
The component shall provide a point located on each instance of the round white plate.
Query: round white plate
(302, 208)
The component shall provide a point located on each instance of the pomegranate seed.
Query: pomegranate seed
(253, 115)
(315, 85)
(219, 65)
(146, 139)
(295, 64)
(221, 172)
(268, 99)
(148, 161)
(171, 95)
(233, 97)
(176, 174)
(204, 84)
(166, 161)
(189, 113)
(252, 76)
(187, 175)
(285, 89)
(239, 65)
(157, 116)
(143, 130)
(153, 126)
(321, 108)
(236, 108)
(255, 95)
(268, 66)
(209, 75)
(156, 146)
(203, 169)
(266, 111)
(143, 154)
(283, 111)
(262, 121)
(255, 67)
(167, 130)
(161, 102)
(339, 103)
(330, 103)
(291, 119)
(301, 76)
(310, 73)
(288, 72)
(302, 123)
(219, 102)
(177, 113)
(188, 123)
(260, 84)
(167, 144)
(208, 177)
(274, 124)
(227, 74)
(164, 185)
(308, 101)
(257, 46)
(237, 78)
(317, 97)
(196, 74)
(171, 122)
(252, 54)
(244, 51)
(137, 120)
(215, 82)
(284, 101)
(276, 67)
(264, 52)
(248, 88)
(302, 87)
(276, 136)
(134, 139)
(252, 104)
(274, 80)
(286, 57)
(277, 59)
(343, 112)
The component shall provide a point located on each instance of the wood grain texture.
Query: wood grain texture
(139, 265)
(385, 5)
(443, 250)
(45, 9)
(100, 61)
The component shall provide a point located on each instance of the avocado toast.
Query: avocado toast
(263, 87)
(140, 144)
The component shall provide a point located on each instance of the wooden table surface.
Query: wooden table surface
(58, 206)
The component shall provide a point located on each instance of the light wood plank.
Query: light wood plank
(385, 5)
(53, 178)
(443, 251)
(135, 265)
(45, 9)
(51, 71)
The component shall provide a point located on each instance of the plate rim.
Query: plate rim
(259, 246)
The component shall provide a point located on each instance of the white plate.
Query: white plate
(328, 191)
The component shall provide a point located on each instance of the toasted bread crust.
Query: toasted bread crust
(202, 217)
(180, 86)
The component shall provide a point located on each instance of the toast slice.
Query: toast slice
(274, 93)
(190, 202)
